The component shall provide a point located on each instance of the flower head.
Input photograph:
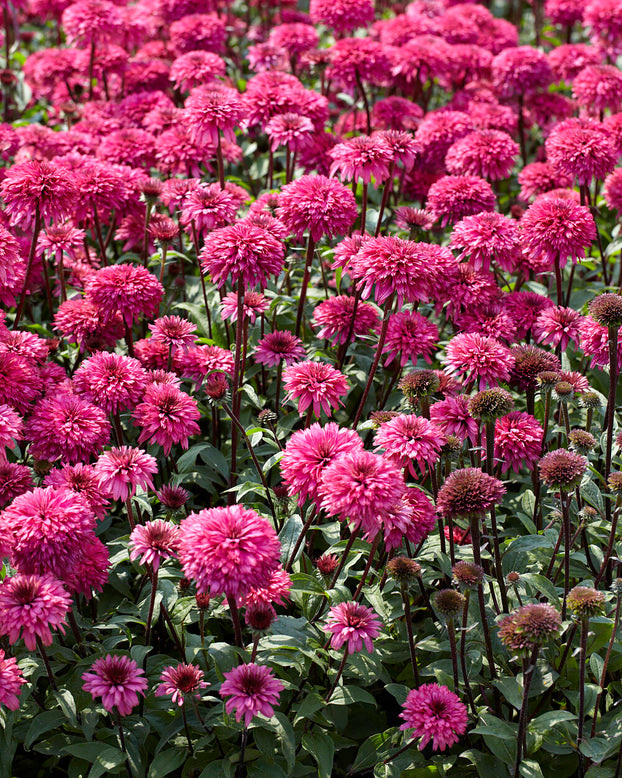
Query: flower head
(354, 624)
(606, 309)
(529, 627)
(11, 679)
(344, 15)
(467, 575)
(153, 542)
(118, 680)
(448, 603)
(122, 469)
(434, 713)
(251, 689)
(228, 550)
(334, 319)
(479, 358)
(584, 602)
(277, 346)
(469, 492)
(489, 154)
(38, 186)
(32, 605)
(110, 381)
(451, 198)
(167, 416)
(407, 439)
(317, 204)
(562, 470)
(129, 290)
(582, 150)
(557, 326)
(315, 384)
(490, 404)
(180, 682)
(518, 441)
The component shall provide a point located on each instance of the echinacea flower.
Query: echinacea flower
(112, 382)
(279, 346)
(557, 326)
(228, 550)
(11, 680)
(130, 291)
(408, 439)
(518, 441)
(562, 470)
(167, 416)
(339, 316)
(317, 205)
(118, 680)
(154, 542)
(32, 606)
(41, 187)
(251, 689)
(481, 360)
(435, 713)
(122, 469)
(315, 385)
(354, 624)
(529, 627)
(181, 682)
(468, 492)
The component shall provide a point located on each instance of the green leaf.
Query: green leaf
(288, 537)
(346, 695)
(398, 690)
(287, 739)
(109, 758)
(44, 722)
(167, 761)
(530, 769)
(90, 751)
(307, 584)
(546, 721)
(322, 749)
(68, 705)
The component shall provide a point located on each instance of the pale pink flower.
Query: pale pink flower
(154, 542)
(315, 385)
(181, 682)
(121, 470)
(354, 624)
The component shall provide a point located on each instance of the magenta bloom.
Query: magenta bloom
(353, 624)
(290, 129)
(401, 267)
(211, 109)
(410, 335)
(196, 68)
(255, 304)
(469, 492)
(167, 416)
(38, 185)
(11, 425)
(581, 149)
(207, 206)
(14, 480)
(594, 340)
(309, 451)
(434, 713)
(407, 439)
(333, 318)
(556, 230)
(598, 88)
(487, 237)
(111, 381)
(251, 689)
(277, 346)
(81, 322)
(488, 154)
(343, 15)
(242, 253)
(31, 606)
(11, 679)
(317, 205)
(65, 426)
(518, 441)
(91, 570)
(19, 381)
(173, 331)
(361, 487)
(362, 157)
(315, 384)
(452, 417)
(48, 528)
(412, 518)
(122, 469)
(557, 326)
(129, 290)
(520, 70)
(153, 542)
(118, 680)
(479, 359)
(180, 682)
(275, 591)
(228, 550)
(83, 480)
(451, 198)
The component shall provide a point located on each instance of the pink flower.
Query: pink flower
(434, 713)
(167, 416)
(254, 305)
(211, 109)
(453, 418)
(342, 15)
(487, 237)
(401, 267)
(291, 130)
(308, 452)
(196, 68)
(14, 480)
(11, 425)
(11, 679)
(604, 20)
(275, 591)
(129, 290)
(251, 689)
(228, 550)
(153, 542)
(89, 21)
(488, 154)
(524, 308)
(412, 518)
(35, 185)
(539, 177)
(594, 342)
(555, 230)
(468, 492)
(518, 441)
(83, 480)
(478, 359)
(83, 323)
(407, 439)
(317, 205)
(110, 381)
(361, 487)
(242, 253)
(207, 207)
(117, 680)
(362, 157)
(277, 346)
(32, 605)
(333, 318)
(121, 470)
(557, 326)
(48, 527)
(598, 88)
(353, 624)
(173, 331)
(197, 362)
(520, 70)
(66, 426)
(91, 569)
(315, 384)
(451, 198)
(409, 335)
(180, 682)
(581, 149)
(19, 381)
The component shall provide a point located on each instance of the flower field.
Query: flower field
(310, 451)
